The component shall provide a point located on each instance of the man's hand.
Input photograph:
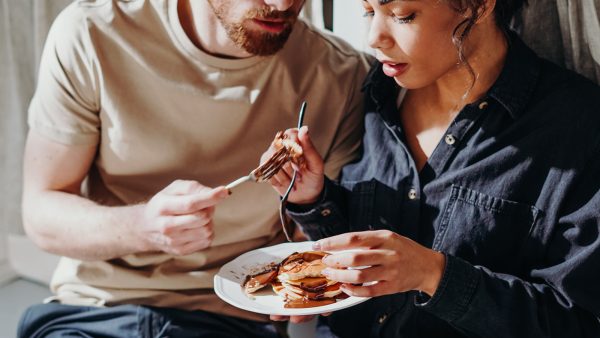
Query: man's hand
(309, 180)
(178, 219)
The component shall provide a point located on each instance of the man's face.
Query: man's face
(261, 27)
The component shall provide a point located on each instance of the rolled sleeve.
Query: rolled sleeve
(455, 292)
(324, 218)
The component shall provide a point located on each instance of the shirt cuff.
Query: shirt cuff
(320, 219)
(455, 292)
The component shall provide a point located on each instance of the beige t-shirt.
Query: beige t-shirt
(124, 76)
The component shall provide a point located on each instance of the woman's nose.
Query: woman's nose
(379, 36)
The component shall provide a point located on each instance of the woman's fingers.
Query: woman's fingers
(281, 180)
(359, 258)
(313, 159)
(293, 319)
(357, 276)
(278, 318)
(354, 240)
(301, 319)
(375, 290)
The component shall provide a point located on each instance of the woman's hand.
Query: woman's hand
(395, 263)
(309, 180)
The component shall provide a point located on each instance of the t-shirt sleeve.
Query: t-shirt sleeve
(349, 134)
(65, 106)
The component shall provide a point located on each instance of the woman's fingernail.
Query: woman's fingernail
(316, 246)
(325, 272)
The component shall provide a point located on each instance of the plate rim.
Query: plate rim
(218, 288)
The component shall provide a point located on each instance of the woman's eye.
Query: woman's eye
(368, 14)
(404, 19)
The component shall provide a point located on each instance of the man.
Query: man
(141, 107)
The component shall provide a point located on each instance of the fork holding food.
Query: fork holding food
(386, 262)
(310, 169)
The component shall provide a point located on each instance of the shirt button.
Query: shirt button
(412, 194)
(382, 318)
(450, 139)
(325, 212)
(483, 105)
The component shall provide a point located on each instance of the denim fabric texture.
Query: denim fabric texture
(135, 321)
(510, 195)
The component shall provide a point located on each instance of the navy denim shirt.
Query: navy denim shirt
(510, 195)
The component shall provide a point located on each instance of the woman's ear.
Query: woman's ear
(486, 10)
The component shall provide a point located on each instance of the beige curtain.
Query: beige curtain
(566, 32)
(313, 12)
(23, 28)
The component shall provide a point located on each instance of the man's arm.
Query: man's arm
(58, 219)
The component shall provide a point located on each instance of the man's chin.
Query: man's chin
(258, 42)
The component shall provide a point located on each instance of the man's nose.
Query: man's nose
(280, 5)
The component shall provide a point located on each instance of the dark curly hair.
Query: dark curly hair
(503, 14)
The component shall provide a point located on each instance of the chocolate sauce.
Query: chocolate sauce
(303, 303)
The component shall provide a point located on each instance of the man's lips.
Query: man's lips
(271, 25)
(392, 69)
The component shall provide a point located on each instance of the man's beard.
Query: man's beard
(252, 41)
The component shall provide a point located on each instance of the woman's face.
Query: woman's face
(413, 39)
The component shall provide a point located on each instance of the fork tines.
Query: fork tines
(268, 169)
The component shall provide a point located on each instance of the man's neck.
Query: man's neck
(204, 29)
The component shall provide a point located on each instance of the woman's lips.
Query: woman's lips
(271, 26)
(394, 69)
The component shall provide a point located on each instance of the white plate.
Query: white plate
(228, 283)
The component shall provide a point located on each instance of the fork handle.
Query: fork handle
(238, 182)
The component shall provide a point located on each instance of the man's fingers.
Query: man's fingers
(194, 246)
(185, 204)
(205, 232)
(183, 187)
(353, 240)
(191, 221)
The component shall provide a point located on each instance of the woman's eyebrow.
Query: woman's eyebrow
(385, 2)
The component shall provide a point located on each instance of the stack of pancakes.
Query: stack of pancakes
(298, 280)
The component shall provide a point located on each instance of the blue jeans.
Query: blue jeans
(57, 320)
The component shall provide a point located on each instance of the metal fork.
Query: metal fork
(287, 224)
(271, 167)
(265, 171)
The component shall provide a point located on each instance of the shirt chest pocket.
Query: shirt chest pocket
(485, 230)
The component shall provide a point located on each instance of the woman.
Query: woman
(476, 196)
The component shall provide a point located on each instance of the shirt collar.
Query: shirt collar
(512, 89)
